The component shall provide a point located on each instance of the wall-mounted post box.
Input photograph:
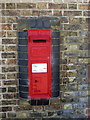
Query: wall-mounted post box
(40, 63)
(39, 60)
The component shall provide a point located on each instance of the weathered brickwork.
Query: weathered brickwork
(74, 58)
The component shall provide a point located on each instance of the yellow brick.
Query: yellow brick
(71, 60)
(55, 27)
(71, 79)
(63, 33)
(88, 92)
(41, 5)
(83, 6)
(73, 47)
(21, 115)
(66, 94)
(83, 60)
(68, 106)
(71, 74)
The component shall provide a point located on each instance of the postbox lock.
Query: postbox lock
(36, 81)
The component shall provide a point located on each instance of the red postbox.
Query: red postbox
(39, 63)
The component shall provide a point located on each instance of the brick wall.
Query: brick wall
(74, 59)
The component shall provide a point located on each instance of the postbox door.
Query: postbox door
(39, 63)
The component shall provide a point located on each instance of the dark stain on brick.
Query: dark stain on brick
(8, 55)
(5, 109)
(10, 5)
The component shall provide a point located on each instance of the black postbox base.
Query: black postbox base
(39, 101)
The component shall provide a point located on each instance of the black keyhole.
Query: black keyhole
(36, 81)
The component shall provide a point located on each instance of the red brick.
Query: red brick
(2, 34)
(89, 73)
(11, 61)
(6, 27)
(88, 112)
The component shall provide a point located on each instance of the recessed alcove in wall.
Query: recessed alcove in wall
(47, 33)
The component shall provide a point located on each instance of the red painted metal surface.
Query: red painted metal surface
(39, 63)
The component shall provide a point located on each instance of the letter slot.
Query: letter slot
(39, 41)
